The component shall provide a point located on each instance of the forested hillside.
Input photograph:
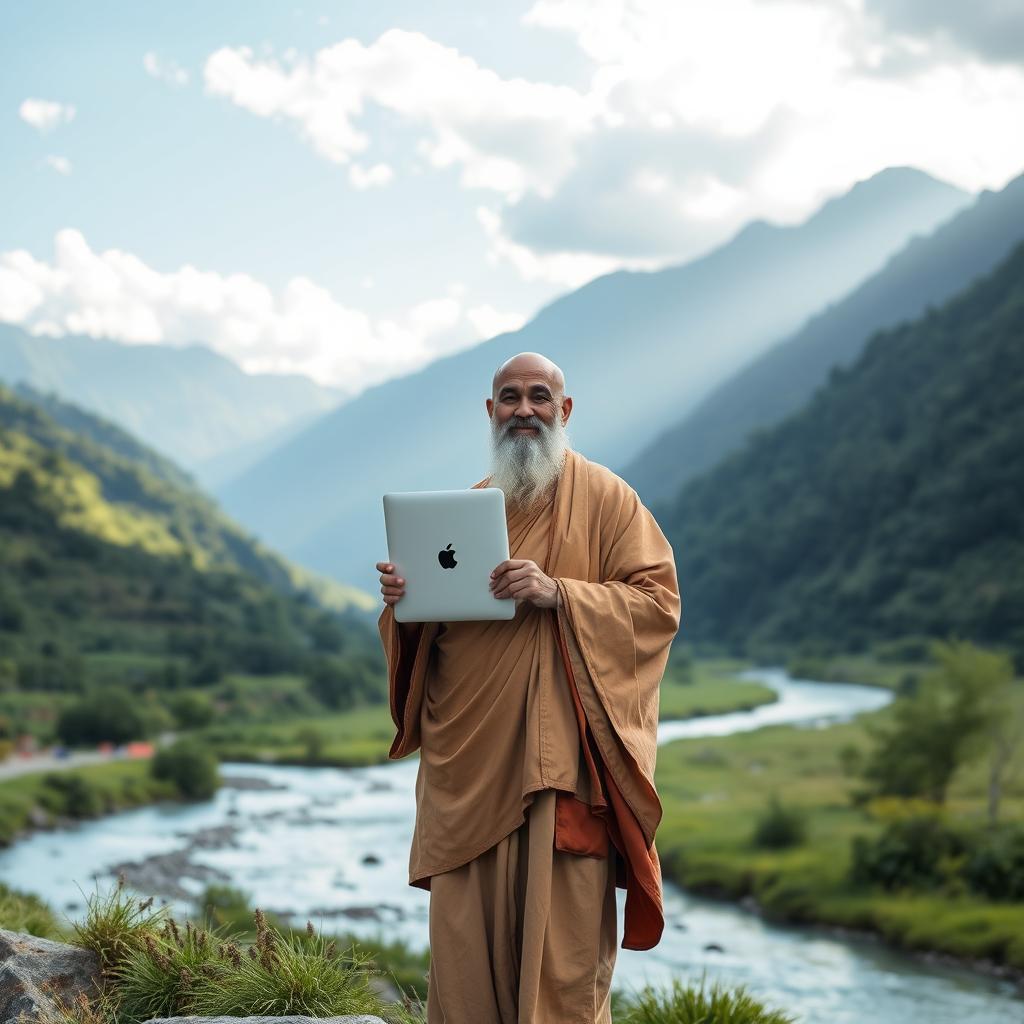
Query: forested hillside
(890, 506)
(115, 569)
(928, 271)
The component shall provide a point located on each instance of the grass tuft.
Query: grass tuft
(689, 1004)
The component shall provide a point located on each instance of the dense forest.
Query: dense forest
(116, 571)
(889, 507)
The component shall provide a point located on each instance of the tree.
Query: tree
(1004, 723)
(313, 740)
(109, 714)
(945, 723)
(189, 765)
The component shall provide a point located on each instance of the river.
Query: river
(332, 845)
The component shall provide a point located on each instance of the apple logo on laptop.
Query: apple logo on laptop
(447, 558)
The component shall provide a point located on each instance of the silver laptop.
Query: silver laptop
(444, 544)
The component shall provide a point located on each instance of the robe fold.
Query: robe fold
(563, 698)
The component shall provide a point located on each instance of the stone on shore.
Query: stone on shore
(35, 973)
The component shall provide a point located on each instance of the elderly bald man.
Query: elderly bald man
(535, 795)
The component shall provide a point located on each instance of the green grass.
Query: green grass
(713, 690)
(98, 789)
(714, 790)
(364, 734)
(352, 738)
(682, 1003)
(236, 961)
(152, 966)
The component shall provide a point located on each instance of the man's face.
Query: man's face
(521, 396)
(528, 439)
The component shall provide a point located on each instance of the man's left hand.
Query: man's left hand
(523, 579)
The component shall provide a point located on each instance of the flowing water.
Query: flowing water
(331, 845)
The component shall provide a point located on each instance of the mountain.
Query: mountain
(111, 559)
(925, 272)
(218, 470)
(638, 349)
(889, 506)
(190, 403)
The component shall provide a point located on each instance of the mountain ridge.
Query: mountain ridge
(927, 270)
(317, 497)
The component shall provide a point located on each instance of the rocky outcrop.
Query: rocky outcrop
(35, 972)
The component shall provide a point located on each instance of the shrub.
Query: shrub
(779, 827)
(687, 1004)
(191, 710)
(110, 714)
(67, 792)
(189, 765)
(995, 864)
(914, 852)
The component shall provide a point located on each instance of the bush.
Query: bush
(109, 715)
(995, 865)
(342, 683)
(71, 794)
(189, 765)
(779, 827)
(687, 1004)
(916, 852)
(191, 710)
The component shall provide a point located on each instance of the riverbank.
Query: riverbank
(350, 739)
(57, 799)
(329, 845)
(715, 789)
(363, 736)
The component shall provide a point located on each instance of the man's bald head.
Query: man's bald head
(528, 409)
(530, 363)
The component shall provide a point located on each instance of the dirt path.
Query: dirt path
(46, 761)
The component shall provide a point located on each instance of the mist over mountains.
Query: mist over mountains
(189, 402)
(925, 272)
(638, 349)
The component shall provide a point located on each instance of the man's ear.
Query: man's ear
(566, 408)
(490, 407)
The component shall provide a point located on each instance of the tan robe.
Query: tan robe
(523, 933)
(498, 708)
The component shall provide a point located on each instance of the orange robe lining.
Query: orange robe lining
(585, 829)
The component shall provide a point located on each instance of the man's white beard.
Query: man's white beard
(526, 466)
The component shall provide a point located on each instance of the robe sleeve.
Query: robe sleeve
(624, 623)
(401, 652)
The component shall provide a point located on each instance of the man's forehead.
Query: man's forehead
(528, 371)
(525, 378)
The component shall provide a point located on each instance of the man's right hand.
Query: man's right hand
(392, 586)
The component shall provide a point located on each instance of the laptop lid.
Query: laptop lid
(444, 544)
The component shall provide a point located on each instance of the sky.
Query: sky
(351, 190)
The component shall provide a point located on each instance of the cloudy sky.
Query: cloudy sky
(350, 190)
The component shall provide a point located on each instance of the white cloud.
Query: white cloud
(164, 70)
(696, 117)
(506, 134)
(490, 322)
(378, 174)
(571, 269)
(45, 115)
(61, 164)
(300, 329)
(720, 113)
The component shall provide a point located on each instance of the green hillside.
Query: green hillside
(927, 271)
(890, 506)
(115, 568)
